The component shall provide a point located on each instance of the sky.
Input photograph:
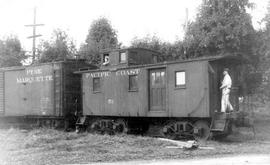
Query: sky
(131, 18)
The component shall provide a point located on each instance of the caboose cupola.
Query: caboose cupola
(128, 57)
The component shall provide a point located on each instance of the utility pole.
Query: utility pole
(34, 36)
(186, 21)
(186, 29)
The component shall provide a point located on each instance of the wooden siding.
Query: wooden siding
(135, 56)
(115, 97)
(49, 89)
(57, 89)
(71, 88)
(2, 93)
(116, 100)
(34, 97)
(192, 99)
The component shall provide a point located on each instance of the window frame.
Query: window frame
(161, 77)
(93, 85)
(104, 55)
(129, 84)
(181, 86)
(120, 59)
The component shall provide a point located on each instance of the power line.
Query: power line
(34, 36)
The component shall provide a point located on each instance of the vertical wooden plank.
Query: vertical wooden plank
(2, 93)
(164, 98)
(57, 89)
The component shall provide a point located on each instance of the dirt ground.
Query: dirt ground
(246, 159)
(47, 146)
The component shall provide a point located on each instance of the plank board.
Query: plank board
(2, 94)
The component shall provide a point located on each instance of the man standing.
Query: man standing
(106, 60)
(226, 87)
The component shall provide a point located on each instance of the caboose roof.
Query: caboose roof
(130, 48)
(39, 64)
(237, 58)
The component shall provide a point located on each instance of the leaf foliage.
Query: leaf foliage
(11, 52)
(101, 35)
(59, 48)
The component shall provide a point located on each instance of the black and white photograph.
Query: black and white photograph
(134, 82)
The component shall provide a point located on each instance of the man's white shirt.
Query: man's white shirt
(227, 81)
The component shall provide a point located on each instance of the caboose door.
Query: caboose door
(157, 90)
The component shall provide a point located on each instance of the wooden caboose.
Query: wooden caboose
(135, 91)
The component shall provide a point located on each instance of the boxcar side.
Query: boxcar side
(49, 91)
(28, 91)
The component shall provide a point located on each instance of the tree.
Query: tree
(11, 52)
(168, 51)
(221, 27)
(263, 50)
(100, 36)
(263, 42)
(60, 48)
(225, 27)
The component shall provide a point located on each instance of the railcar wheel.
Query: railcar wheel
(120, 127)
(95, 127)
(101, 126)
(178, 130)
(203, 130)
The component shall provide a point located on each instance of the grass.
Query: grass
(47, 146)
(36, 146)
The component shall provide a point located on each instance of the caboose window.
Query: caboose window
(96, 84)
(105, 57)
(133, 82)
(180, 79)
(123, 57)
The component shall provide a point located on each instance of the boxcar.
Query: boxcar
(42, 94)
(172, 99)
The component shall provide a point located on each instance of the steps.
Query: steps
(81, 120)
(219, 122)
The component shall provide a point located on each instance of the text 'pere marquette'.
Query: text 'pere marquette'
(34, 75)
